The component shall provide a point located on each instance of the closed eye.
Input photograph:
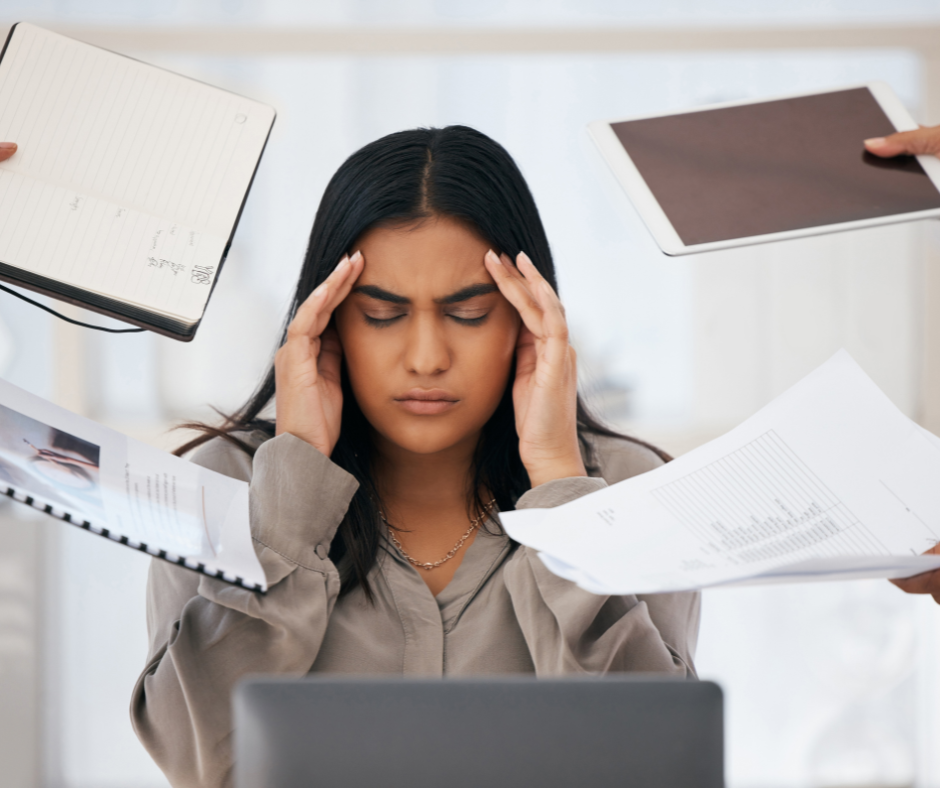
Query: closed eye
(381, 322)
(469, 321)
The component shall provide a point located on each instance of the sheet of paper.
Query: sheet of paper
(128, 488)
(128, 179)
(830, 480)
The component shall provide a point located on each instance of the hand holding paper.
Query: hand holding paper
(829, 481)
(924, 583)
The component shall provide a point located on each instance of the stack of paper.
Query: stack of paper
(829, 481)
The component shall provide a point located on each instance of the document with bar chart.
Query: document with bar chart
(829, 481)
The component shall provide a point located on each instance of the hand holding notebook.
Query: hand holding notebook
(129, 181)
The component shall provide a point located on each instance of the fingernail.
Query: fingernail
(494, 257)
(357, 256)
(875, 142)
(7, 146)
(343, 263)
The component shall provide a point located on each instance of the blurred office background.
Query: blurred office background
(826, 685)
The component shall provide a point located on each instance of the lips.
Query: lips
(427, 402)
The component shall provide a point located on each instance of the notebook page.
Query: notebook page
(128, 179)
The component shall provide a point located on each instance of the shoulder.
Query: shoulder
(225, 457)
(617, 459)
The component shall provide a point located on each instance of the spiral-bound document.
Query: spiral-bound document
(78, 471)
(128, 183)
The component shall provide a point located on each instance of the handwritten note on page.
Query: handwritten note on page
(128, 180)
(829, 481)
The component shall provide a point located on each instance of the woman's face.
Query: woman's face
(427, 336)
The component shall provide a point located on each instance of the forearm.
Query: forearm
(207, 634)
(181, 704)
(570, 630)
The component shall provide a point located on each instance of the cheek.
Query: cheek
(489, 361)
(362, 352)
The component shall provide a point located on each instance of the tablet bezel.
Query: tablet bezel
(658, 223)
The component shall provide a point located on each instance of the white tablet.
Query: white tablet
(751, 172)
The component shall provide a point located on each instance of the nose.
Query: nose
(427, 351)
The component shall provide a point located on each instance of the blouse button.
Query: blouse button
(322, 552)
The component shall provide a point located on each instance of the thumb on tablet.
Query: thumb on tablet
(919, 142)
(7, 149)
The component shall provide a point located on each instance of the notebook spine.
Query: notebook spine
(61, 514)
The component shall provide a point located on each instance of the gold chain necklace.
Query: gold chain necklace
(428, 565)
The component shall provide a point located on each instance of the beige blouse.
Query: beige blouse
(503, 612)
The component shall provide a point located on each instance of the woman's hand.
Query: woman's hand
(914, 143)
(308, 395)
(926, 583)
(546, 387)
(7, 149)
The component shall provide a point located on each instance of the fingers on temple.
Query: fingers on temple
(538, 304)
(554, 323)
(314, 313)
(512, 284)
(306, 316)
(340, 289)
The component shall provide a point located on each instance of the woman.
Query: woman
(425, 383)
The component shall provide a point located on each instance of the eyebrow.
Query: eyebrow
(464, 294)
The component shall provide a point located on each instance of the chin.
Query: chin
(428, 436)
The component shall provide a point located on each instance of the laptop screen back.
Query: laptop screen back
(597, 732)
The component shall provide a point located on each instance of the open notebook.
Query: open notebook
(90, 476)
(128, 183)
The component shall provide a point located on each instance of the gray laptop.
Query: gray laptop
(596, 732)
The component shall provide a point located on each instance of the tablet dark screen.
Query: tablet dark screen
(774, 166)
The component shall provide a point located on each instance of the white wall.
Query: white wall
(766, 316)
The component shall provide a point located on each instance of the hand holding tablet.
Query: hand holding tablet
(758, 171)
(920, 142)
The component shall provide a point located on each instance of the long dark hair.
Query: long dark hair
(405, 177)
